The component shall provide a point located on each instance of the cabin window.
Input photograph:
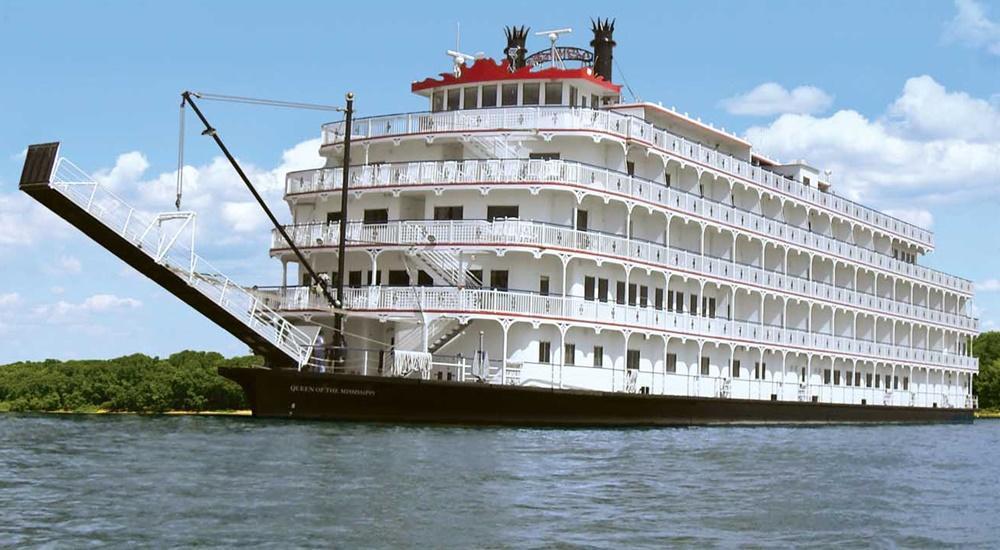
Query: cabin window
(826, 376)
(453, 99)
(895, 382)
(502, 212)
(736, 368)
(679, 306)
(756, 370)
(475, 275)
(602, 290)
(630, 167)
(499, 279)
(805, 180)
(671, 362)
(868, 379)
(399, 277)
(543, 285)
(544, 352)
(598, 356)
(588, 288)
(887, 380)
(378, 278)
(632, 360)
(543, 156)
(658, 298)
(424, 278)
(620, 292)
(836, 378)
(581, 220)
(572, 96)
(803, 378)
(332, 217)
(437, 101)
(553, 93)
(906, 383)
(448, 212)
(631, 294)
(470, 97)
(490, 95)
(704, 366)
(508, 94)
(857, 379)
(643, 296)
(666, 179)
(694, 305)
(530, 93)
(569, 354)
(376, 215)
(670, 300)
(354, 279)
(878, 381)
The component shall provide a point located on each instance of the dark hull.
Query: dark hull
(291, 394)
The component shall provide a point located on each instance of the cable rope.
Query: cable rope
(180, 159)
(268, 102)
(618, 66)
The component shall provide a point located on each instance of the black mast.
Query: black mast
(341, 253)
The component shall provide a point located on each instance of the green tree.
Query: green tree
(986, 347)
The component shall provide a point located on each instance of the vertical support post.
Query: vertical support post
(341, 255)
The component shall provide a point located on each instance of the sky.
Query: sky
(900, 99)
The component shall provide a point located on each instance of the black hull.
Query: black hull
(291, 394)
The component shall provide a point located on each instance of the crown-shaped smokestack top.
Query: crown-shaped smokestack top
(517, 38)
(604, 46)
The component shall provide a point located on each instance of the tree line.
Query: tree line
(185, 381)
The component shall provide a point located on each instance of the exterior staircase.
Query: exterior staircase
(155, 248)
(445, 266)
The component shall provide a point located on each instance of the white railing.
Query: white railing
(529, 233)
(601, 180)
(482, 302)
(166, 249)
(543, 119)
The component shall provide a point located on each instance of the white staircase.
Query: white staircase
(154, 246)
(446, 266)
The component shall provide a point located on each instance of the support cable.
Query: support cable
(180, 158)
(268, 102)
(618, 65)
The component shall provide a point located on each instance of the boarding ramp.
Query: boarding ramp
(161, 247)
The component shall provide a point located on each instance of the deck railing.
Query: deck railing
(535, 234)
(482, 302)
(528, 172)
(623, 126)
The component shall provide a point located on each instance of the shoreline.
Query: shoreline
(238, 412)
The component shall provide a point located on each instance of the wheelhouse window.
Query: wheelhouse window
(490, 95)
(573, 96)
(530, 93)
(437, 101)
(553, 93)
(453, 99)
(508, 94)
(470, 97)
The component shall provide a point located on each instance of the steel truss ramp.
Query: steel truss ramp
(154, 246)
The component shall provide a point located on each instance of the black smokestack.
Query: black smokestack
(516, 40)
(604, 46)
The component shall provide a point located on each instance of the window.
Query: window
(490, 95)
(553, 93)
(508, 94)
(694, 305)
(757, 373)
(877, 380)
(602, 290)
(588, 288)
(658, 298)
(544, 352)
(581, 220)
(888, 379)
(711, 308)
(632, 359)
(670, 300)
(805, 180)
(354, 279)
(598, 356)
(803, 377)
(895, 382)
(631, 294)
(424, 279)
(333, 217)
(868, 379)
(666, 179)
(470, 97)
(594, 102)
(543, 285)
(836, 377)
(376, 215)
(399, 277)
(378, 278)
(448, 212)
(671, 362)
(498, 279)
(569, 354)
(475, 274)
(630, 167)
(906, 383)
(494, 212)
(736, 368)
(857, 379)
(572, 96)
(620, 292)
(529, 93)
(704, 366)
(543, 156)
(679, 306)
(453, 98)
(643, 296)
(437, 101)
(826, 376)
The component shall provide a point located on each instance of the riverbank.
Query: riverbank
(236, 412)
(988, 413)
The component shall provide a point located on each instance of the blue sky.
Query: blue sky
(901, 99)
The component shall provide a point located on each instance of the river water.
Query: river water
(78, 481)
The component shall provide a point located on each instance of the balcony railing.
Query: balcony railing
(481, 302)
(622, 126)
(536, 234)
(527, 172)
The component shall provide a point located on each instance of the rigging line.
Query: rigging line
(618, 65)
(349, 333)
(267, 102)
(180, 159)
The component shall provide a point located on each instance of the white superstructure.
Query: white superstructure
(576, 241)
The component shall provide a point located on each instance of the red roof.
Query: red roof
(487, 70)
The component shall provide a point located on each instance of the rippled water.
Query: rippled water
(229, 481)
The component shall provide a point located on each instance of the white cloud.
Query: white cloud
(971, 26)
(9, 299)
(69, 265)
(69, 312)
(57, 290)
(989, 285)
(916, 216)
(771, 98)
(917, 152)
